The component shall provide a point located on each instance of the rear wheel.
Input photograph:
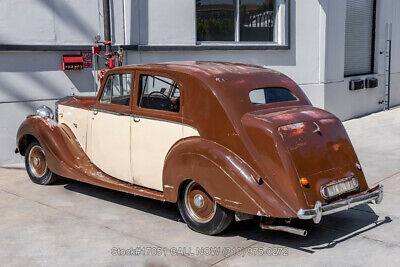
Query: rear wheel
(200, 211)
(36, 165)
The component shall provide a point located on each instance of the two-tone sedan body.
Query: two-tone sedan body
(221, 139)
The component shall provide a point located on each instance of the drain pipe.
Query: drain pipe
(107, 27)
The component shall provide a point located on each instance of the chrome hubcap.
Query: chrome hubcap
(198, 201)
(37, 162)
(200, 206)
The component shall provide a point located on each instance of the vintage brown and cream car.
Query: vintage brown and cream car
(222, 140)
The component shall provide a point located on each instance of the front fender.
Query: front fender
(226, 177)
(58, 143)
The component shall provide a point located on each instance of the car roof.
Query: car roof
(203, 68)
(227, 81)
(222, 84)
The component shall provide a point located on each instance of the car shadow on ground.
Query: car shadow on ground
(18, 168)
(333, 229)
(163, 209)
(319, 237)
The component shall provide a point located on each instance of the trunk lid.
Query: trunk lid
(318, 145)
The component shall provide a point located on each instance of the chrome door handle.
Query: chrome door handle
(136, 119)
(95, 112)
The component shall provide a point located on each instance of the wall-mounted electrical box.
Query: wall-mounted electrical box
(96, 49)
(371, 83)
(72, 62)
(356, 85)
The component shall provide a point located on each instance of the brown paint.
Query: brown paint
(239, 142)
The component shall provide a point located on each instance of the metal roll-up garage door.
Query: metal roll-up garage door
(359, 37)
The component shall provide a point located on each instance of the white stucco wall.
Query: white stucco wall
(26, 76)
(171, 23)
(11, 116)
(48, 22)
(338, 98)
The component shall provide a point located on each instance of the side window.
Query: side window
(159, 93)
(117, 89)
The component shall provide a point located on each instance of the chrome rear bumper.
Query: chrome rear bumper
(318, 211)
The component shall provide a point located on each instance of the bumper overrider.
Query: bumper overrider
(375, 194)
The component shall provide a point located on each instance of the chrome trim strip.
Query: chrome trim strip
(157, 119)
(307, 214)
(132, 115)
(110, 112)
(141, 117)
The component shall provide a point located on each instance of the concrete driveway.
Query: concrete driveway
(72, 223)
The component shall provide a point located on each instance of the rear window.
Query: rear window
(263, 96)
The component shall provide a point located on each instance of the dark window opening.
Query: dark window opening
(235, 20)
(159, 93)
(215, 20)
(257, 20)
(264, 96)
(117, 90)
(359, 37)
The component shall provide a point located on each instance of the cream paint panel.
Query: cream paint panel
(77, 120)
(151, 141)
(110, 144)
(189, 131)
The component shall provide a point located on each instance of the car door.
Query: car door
(109, 142)
(156, 126)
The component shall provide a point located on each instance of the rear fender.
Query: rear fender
(227, 178)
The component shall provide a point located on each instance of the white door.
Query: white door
(110, 142)
(151, 141)
(152, 138)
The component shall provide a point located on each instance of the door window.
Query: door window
(159, 93)
(117, 89)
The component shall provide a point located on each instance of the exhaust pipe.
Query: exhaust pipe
(284, 228)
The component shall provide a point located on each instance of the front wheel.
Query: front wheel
(36, 165)
(200, 211)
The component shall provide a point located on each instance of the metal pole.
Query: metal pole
(389, 70)
(107, 27)
(237, 21)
